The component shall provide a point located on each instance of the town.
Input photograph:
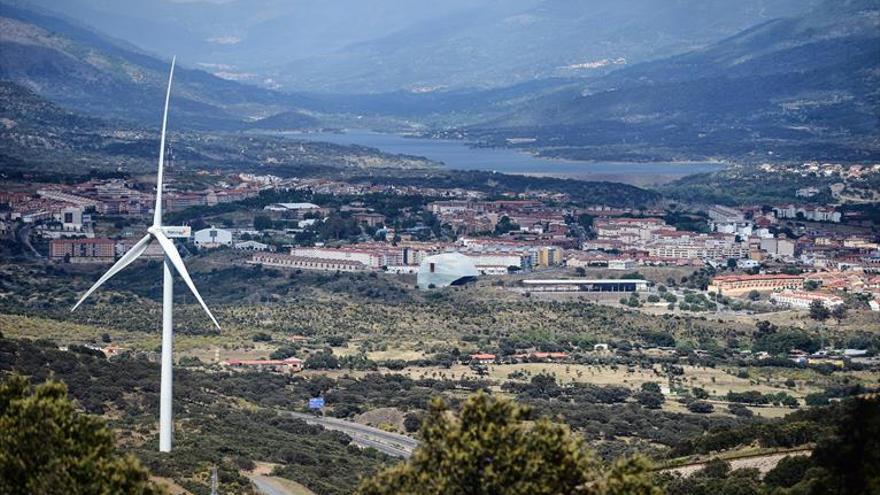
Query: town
(757, 257)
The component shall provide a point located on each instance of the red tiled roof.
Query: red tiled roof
(85, 241)
(743, 278)
(482, 356)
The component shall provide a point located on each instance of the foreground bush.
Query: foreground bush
(47, 447)
(492, 447)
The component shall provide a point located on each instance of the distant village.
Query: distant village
(795, 254)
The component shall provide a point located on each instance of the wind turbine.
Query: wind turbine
(160, 234)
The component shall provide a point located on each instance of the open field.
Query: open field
(716, 381)
(67, 333)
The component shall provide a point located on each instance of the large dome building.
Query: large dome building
(443, 270)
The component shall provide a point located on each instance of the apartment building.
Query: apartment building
(735, 285)
(83, 250)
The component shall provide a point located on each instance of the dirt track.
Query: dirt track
(762, 463)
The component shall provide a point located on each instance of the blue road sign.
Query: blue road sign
(316, 403)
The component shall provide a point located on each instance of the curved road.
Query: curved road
(393, 444)
(24, 237)
(397, 445)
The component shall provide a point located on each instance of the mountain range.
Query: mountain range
(92, 73)
(801, 86)
(352, 46)
(804, 87)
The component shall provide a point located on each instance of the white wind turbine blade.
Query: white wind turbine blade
(126, 259)
(157, 212)
(177, 261)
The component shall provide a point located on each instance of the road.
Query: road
(24, 237)
(393, 444)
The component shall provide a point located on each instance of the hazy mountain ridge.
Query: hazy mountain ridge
(350, 46)
(796, 87)
(242, 35)
(793, 87)
(497, 47)
(777, 46)
(96, 75)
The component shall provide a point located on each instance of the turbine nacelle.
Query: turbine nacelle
(156, 233)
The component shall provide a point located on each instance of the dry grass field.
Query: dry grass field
(237, 344)
(717, 381)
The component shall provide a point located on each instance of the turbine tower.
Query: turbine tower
(161, 234)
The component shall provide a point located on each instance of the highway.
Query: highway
(393, 444)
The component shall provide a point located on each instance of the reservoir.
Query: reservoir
(458, 155)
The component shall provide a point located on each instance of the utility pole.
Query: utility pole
(214, 480)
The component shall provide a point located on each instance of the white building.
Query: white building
(497, 263)
(251, 246)
(371, 257)
(763, 233)
(803, 300)
(724, 214)
(807, 192)
(447, 207)
(814, 213)
(301, 263)
(686, 245)
(742, 229)
(614, 264)
(443, 270)
(778, 247)
(71, 218)
(292, 207)
(366, 258)
(212, 237)
(747, 264)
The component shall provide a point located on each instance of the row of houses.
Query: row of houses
(737, 285)
(803, 300)
(104, 250)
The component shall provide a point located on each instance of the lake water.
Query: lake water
(459, 156)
